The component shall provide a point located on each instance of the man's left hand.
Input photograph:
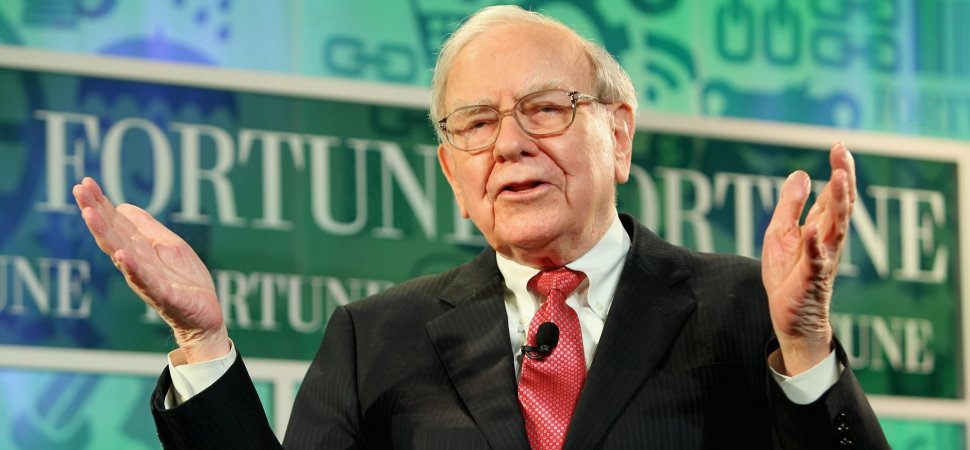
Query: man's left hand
(800, 262)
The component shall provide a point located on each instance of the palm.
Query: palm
(168, 274)
(800, 262)
(158, 265)
(798, 277)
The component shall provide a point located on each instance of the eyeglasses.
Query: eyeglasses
(539, 114)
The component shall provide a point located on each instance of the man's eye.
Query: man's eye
(544, 108)
(474, 126)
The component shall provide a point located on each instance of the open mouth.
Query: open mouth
(519, 187)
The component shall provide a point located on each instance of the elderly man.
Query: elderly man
(652, 346)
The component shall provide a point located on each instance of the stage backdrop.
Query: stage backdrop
(899, 66)
(303, 193)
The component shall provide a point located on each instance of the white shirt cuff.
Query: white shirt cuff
(809, 385)
(190, 379)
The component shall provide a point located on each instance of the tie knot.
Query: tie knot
(563, 280)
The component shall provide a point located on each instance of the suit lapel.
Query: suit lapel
(651, 303)
(472, 341)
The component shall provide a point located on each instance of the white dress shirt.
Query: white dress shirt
(592, 299)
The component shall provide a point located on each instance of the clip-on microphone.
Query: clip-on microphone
(547, 336)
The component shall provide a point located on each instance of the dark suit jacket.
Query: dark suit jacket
(682, 363)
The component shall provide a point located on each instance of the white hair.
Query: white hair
(611, 82)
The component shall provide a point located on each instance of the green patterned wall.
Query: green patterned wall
(889, 65)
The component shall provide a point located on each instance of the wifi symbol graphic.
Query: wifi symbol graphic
(668, 62)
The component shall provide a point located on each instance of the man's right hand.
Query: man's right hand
(161, 268)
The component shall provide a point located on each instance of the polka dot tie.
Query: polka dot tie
(549, 387)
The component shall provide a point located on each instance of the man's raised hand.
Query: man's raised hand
(800, 262)
(161, 268)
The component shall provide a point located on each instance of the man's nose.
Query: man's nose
(512, 142)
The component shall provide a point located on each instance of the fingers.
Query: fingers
(146, 224)
(840, 158)
(828, 219)
(112, 227)
(833, 208)
(140, 276)
(86, 193)
(98, 214)
(788, 211)
(813, 253)
(833, 223)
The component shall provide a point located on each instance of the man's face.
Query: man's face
(540, 201)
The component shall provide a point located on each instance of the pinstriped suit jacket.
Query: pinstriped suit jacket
(427, 365)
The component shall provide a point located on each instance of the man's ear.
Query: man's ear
(447, 163)
(623, 129)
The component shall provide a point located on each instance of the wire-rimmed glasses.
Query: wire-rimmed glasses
(539, 114)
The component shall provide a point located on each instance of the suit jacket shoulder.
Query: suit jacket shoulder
(429, 295)
(682, 363)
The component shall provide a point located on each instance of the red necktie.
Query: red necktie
(549, 387)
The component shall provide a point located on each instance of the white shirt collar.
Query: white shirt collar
(602, 265)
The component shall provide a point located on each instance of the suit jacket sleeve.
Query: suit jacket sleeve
(840, 419)
(228, 414)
